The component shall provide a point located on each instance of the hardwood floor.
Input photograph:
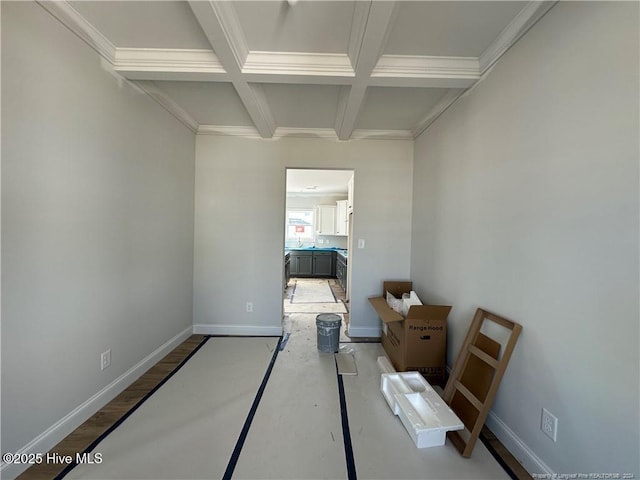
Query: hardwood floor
(99, 423)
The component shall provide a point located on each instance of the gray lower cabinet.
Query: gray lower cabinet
(323, 264)
(287, 269)
(312, 264)
(341, 271)
(301, 264)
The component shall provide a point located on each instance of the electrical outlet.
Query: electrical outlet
(249, 307)
(549, 424)
(105, 359)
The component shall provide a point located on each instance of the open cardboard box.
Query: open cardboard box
(417, 342)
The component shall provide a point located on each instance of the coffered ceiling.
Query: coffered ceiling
(336, 69)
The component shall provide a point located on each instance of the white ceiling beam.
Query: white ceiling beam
(221, 26)
(365, 48)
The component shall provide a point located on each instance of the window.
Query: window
(299, 226)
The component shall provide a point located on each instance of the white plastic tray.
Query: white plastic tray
(426, 416)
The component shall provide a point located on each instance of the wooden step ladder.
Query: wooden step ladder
(476, 376)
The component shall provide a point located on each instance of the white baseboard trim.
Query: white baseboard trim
(238, 330)
(512, 442)
(527, 457)
(364, 331)
(67, 424)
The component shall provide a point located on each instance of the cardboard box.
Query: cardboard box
(417, 342)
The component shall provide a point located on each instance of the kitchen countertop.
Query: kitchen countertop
(341, 251)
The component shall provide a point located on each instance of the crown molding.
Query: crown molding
(233, 131)
(167, 60)
(71, 18)
(382, 135)
(328, 133)
(415, 66)
(295, 63)
(289, 132)
(522, 22)
(438, 109)
(168, 104)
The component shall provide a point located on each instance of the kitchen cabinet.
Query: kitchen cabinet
(341, 270)
(287, 269)
(326, 219)
(323, 264)
(301, 263)
(342, 218)
(350, 195)
(309, 263)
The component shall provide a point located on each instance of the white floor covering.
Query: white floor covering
(189, 427)
(297, 431)
(382, 447)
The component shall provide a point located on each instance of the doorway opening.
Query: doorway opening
(318, 224)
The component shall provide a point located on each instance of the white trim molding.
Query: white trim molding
(416, 66)
(237, 330)
(290, 132)
(438, 109)
(298, 63)
(523, 21)
(167, 60)
(381, 135)
(71, 18)
(67, 424)
(234, 131)
(328, 133)
(168, 104)
(520, 450)
(370, 332)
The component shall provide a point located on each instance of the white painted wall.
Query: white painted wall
(97, 226)
(239, 218)
(526, 203)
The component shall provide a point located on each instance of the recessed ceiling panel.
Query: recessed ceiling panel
(311, 106)
(151, 24)
(463, 29)
(208, 103)
(320, 27)
(397, 108)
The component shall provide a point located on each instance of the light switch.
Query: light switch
(361, 243)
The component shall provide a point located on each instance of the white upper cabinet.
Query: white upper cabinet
(326, 220)
(342, 218)
(350, 195)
